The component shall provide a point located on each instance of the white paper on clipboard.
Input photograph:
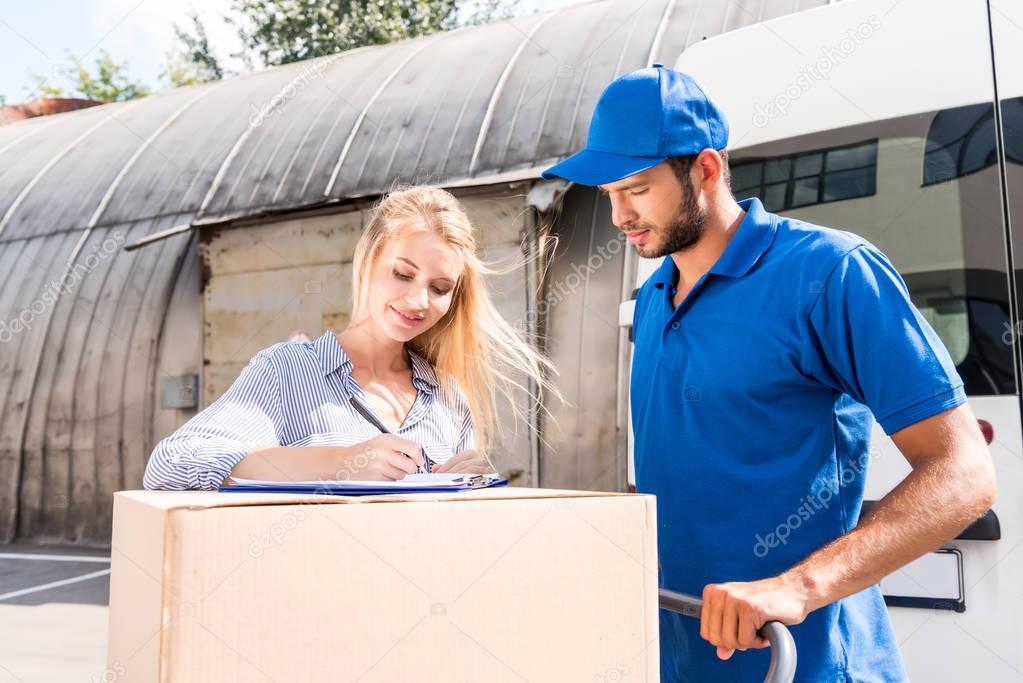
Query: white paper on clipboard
(416, 481)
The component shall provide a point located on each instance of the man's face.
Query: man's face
(657, 213)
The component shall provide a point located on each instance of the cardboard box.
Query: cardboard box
(495, 585)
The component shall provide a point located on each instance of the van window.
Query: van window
(814, 177)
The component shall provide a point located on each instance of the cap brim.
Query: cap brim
(590, 167)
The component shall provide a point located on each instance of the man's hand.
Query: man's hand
(467, 462)
(734, 612)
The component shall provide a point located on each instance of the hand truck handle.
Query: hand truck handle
(783, 647)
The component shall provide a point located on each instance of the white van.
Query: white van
(902, 121)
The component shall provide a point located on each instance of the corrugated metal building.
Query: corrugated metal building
(248, 194)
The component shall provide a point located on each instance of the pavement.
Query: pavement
(53, 614)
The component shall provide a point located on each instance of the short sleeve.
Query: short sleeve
(204, 450)
(872, 343)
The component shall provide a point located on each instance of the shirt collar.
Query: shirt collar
(332, 357)
(423, 375)
(752, 237)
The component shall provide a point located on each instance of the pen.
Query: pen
(364, 410)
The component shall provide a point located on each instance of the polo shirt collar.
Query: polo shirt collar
(752, 237)
(332, 357)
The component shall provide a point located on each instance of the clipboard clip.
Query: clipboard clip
(475, 481)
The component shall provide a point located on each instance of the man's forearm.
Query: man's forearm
(931, 505)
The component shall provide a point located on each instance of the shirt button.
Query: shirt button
(675, 325)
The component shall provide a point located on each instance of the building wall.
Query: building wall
(77, 374)
(585, 436)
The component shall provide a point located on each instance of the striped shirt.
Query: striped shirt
(298, 394)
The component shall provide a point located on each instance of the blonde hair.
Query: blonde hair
(473, 348)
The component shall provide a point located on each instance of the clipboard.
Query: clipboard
(413, 483)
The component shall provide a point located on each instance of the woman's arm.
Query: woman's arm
(287, 463)
(204, 450)
(237, 435)
(384, 457)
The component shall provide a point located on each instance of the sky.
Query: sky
(36, 36)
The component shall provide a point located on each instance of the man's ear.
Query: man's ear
(710, 165)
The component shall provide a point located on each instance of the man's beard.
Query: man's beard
(684, 230)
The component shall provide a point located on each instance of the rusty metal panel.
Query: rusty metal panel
(163, 176)
(46, 456)
(265, 281)
(620, 43)
(580, 310)
(350, 124)
(22, 301)
(96, 305)
(546, 66)
(30, 151)
(73, 445)
(286, 155)
(161, 272)
(133, 327)
(47, 491)
(179, 353)
(175, 172)
(324, 239)
(120, 130)
(249, 311)
(424, 125)
(67, 381)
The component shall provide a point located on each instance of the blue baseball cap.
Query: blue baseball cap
(641, 119)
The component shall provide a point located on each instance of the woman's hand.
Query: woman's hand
(383, 458)
(467, 462)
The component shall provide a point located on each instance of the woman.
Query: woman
(426, 353)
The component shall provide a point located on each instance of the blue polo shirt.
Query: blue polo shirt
(751, 406)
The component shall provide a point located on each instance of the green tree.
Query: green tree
(193, 61)
(284, 31)
(276, 32)
(488, 11)
(110, 83)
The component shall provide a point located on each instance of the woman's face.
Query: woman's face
(412, 284)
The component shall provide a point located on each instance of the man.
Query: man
(763, 344)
